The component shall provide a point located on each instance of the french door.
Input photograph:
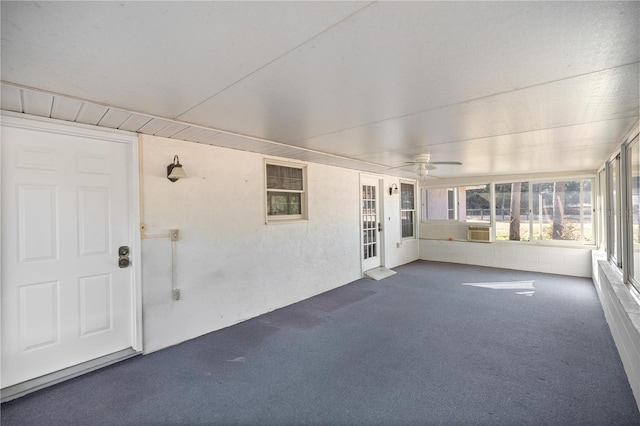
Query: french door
(371, 225)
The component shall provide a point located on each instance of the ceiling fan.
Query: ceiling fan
(424, 163)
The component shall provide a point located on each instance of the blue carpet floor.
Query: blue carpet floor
(436, 343)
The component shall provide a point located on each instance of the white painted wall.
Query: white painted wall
(511, 255)
(622, 311)
(231, 266)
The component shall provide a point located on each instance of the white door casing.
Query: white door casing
(69, 201)
(370, 222)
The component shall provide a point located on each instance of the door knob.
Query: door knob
(123, 257)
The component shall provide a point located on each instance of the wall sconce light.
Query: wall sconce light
(175, 171)
(393, 189)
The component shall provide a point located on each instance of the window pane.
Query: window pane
(407, 209)
(284, 203)
(451, 207)
(286, 197)
(407, 224)
(439, 204)
(635, 209)
(587, 212)
(602, 208)
(512, 211)
(614, 209)
(475, 205)
(556, 214)
(281, 177)
(407, 201)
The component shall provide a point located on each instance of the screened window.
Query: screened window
(545, 211)
(634, 188)
(513, 212)
(613, 211)
(286, 196)
(602, 208)
(407, 209)
(560, 211)
(588, 209)
(475, 203)
(440, 204)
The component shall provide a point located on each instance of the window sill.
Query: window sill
(625, 293)
(527, 243)
(558, 244)
(285, 221)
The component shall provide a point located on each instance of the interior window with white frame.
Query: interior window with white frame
(408, 209)
(285, 191)
(440, 204)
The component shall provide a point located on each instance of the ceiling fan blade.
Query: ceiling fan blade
(453, 163)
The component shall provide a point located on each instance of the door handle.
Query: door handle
(123, 257)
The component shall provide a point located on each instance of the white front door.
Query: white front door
(370, 223)
(66, 210)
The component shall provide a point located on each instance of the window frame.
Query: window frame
(463, 212)
(614, 233)
(627, 202)
(601, 206)
(303, 216)
(494, 205)
(413, 210)
(580, 222)
(539, 241)
(425, 204)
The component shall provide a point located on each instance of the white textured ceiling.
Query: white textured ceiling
(504, 87)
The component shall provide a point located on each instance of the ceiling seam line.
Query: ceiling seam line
(516, 133)
(465, 101)
(535, 130)
(276, 59)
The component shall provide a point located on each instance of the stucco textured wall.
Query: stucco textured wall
(231, 266)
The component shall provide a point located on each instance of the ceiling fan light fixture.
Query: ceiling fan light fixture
(422, 172)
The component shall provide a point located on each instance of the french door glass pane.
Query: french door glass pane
(369, 221)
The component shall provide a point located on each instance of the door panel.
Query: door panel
(65, 212)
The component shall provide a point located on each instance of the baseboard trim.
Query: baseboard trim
(16, 391)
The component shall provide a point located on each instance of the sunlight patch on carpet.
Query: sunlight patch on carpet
(526, 287)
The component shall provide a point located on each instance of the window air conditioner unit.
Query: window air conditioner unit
(479, 234)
